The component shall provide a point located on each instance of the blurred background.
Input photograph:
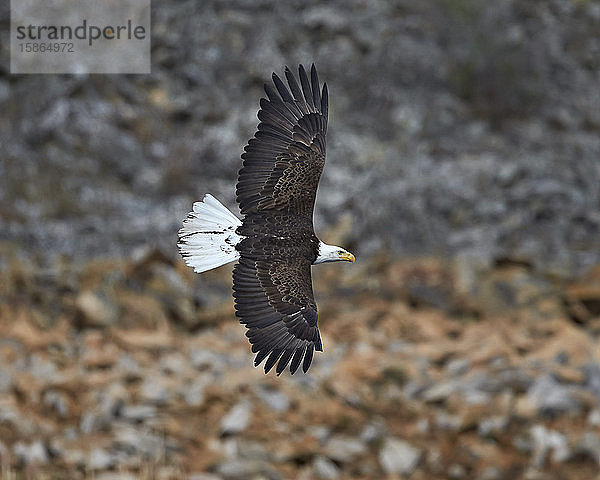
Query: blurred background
(463, 171)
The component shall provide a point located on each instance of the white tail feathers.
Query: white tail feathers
(207, 239)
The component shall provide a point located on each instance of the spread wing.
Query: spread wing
(272, 287)
(282, 164)
(276, 191)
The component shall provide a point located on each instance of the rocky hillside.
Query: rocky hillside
(456, 126)
(138, 369)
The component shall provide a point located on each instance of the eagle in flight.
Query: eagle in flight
(275, 244)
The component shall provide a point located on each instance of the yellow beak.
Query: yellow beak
(348, 257)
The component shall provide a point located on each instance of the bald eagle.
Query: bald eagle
(275, 243)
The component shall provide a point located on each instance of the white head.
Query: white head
(331, 253)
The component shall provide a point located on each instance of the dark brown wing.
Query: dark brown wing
(272, 287)
(282, 164)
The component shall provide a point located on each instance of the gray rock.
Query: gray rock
(325, 469)
(456, 471)
(523, 443)
(551, 397)
(274, 399)
(412, 389)
(31, 454)
(237, 419)
(58, 402)
(508, 378)
(344, 449)
(100, 459)
(194, 394)
(320, 432)
(593, 418)
(5, 381)
(492, 426)
(138, 412)
(129, 367)
(373, 431)
(139, 439)
(42, 368)
(242, 469)
(458, 366)
(249, 449)
(475, 397)
(10, 415)
(448, 421)
(439, 391)
(423, 425)
(398, 456)
(546, 440)
(4, 450)
(589, 445)
(201, 358)
(155, 389)
(592, 378)
(173, 364)
(93, 421)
